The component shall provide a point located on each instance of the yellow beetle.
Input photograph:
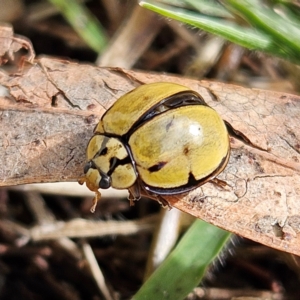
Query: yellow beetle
(159, 139)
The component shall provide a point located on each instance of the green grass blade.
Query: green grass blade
(281, 39)
(83, 22)
(284, 32)
(209, 7)
(245, 37)
(186, 265)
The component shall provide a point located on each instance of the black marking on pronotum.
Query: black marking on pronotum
(87, 166)
(157, 167)
(103, 148)
(114, 162)
(104, 151)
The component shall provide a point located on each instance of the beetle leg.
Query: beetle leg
(130, 198)
(164, 203)
(220, 183)
(134, 194)
(95, 201)
(92, 188)
(81, 180)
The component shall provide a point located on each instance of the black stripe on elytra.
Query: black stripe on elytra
(180, 99)
(190, 185)
(177, 100)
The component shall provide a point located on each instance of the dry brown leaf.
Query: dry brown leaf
(10, 43)
(54, 104)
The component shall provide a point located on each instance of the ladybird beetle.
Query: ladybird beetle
(159, 139)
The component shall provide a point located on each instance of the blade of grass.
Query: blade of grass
(207, 7)
(284, 32)
(186, 265)
(287, 9)
(251, 38)
(83, 22)
(245, 37)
